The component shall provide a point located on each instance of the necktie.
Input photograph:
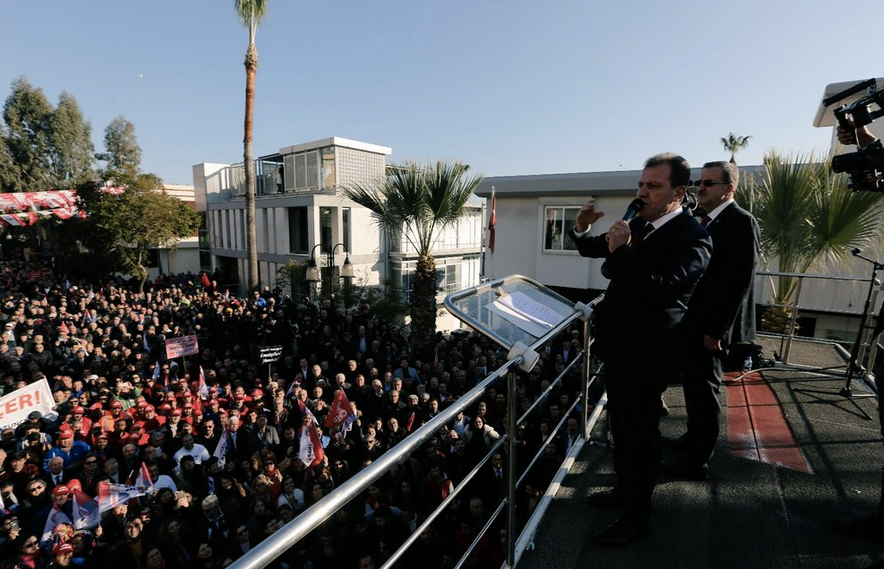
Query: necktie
(640, 235)
(705, 221)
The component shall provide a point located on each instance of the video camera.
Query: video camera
(866, 164)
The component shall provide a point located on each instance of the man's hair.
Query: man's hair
(729, 171)
(680, 170)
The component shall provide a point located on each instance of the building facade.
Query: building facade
(302, 214)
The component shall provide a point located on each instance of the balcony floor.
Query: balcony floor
(823, 462)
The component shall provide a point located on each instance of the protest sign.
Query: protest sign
(180, 347)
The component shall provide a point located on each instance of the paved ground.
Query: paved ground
(749, 514)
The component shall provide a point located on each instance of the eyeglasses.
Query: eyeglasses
(31, 544)
(38, 488)
(242, 532)
(90, 462)
(708, 183)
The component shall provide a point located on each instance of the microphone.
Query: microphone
(633, 209)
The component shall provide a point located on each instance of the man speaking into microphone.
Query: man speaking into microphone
(653, 260)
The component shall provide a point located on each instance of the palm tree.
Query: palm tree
(808, 218)
(250, 13)
(415, 202)
(734, 144)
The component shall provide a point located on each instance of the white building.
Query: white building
(185, 257)
(301, 213)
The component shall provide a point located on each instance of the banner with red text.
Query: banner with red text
(15, 407)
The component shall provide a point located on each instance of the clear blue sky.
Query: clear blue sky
(509, 87)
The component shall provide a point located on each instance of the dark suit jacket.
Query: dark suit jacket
(651, 283)
(723, 305)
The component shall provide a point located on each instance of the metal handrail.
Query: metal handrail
(795, 306)
(267, 551)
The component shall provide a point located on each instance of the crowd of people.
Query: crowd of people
(124, 412)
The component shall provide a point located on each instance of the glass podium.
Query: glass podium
(515, 310)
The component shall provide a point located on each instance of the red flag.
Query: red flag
(410, 422)
(492, 219)
(85, 511)
(204, 278)
(64, 328)
(111, 495)
(203, 387)
(340, 414)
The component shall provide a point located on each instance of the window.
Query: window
(327, 180)
(298, 242)
(326, 235)
(345, 230)
(559, 221)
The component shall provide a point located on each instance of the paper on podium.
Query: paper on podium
(526, 313)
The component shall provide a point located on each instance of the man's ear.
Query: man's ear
(681, 191)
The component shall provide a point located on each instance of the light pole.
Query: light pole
(314, 274)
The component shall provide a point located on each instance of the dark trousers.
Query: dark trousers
(702, 394)
(634, 415)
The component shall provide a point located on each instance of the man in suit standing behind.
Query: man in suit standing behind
(721, 313)
(653, 264)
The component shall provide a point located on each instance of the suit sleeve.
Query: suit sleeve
(594, 246)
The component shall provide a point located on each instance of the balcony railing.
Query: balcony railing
(832, 298)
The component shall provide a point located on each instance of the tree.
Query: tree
(808, 218)
(122, 152)
(70, 144)
(250, 13)
(8, 174)
(141, 218)
(27, 114)
(415, 202)
(734, 144)
(43, 146)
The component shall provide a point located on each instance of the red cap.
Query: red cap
(165, 407)
(176, 412)
(239, 396)
(188, 405)
(141, 404)
(149, 408)
(116, 404)
(61, 490)
(66, 434)
(62, 548)
(213, 401)
(78, 410)
(257, 393)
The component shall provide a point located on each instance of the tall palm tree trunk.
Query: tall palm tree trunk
(423, 308)
(251, 64)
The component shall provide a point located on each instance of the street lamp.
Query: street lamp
(314, 274)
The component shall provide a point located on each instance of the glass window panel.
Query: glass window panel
(312, 169)
(328, 168)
